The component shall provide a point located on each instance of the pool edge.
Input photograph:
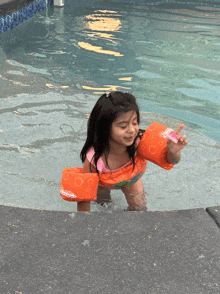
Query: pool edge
(14, 17)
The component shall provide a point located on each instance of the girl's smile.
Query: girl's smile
(130, 139)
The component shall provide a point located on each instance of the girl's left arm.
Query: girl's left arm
(173, 149)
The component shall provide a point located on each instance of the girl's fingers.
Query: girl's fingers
(180, 128)
(183, 138)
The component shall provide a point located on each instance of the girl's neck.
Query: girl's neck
(116, 149)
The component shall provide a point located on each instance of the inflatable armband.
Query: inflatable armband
(153, 145)
(76, 186)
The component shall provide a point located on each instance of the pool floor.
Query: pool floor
(46, 134)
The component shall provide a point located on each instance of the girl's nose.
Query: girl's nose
(131, 129)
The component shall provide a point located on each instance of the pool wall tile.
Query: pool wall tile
(11, 20)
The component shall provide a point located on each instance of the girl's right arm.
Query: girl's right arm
(85, 206)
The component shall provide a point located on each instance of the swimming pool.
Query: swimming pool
(54, 67)
(166, 54)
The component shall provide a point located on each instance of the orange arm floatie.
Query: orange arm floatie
(153, 145)
(76, 186)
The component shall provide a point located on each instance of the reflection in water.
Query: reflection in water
(102, 22)
(108, 88)
(97, 24)
(128, 79)
(97, 49)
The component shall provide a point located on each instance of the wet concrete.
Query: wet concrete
(43, 133)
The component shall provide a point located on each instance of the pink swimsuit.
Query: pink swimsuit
(100, 164)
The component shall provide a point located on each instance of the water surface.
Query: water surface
(54, 67)
(164, 52)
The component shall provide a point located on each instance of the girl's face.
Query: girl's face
(125, 128)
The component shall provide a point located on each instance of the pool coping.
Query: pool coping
(113, 252)
(12, 13)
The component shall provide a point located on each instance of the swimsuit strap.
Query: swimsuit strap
(100, 164)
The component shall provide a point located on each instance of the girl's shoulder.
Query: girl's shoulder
(90, 156)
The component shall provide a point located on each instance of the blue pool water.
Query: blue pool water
(54, 67)
(166, 53)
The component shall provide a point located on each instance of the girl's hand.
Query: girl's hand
(173, 149)
(182, 142)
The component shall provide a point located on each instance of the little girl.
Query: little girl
(112, 138)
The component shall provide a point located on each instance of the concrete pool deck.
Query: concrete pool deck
(109, 252)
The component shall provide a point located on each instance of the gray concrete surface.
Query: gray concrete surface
(43, 133)
(54, 252)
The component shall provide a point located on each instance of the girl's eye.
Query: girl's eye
(134, 124)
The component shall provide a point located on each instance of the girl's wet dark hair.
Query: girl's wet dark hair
(106, 110)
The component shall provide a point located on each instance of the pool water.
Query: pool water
(54, 67)
(166, 53)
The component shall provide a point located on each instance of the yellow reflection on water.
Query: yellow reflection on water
(99, 22)
(98, 25)
(106, 11)
(125, 79)
(98, 49)
(108, 88)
